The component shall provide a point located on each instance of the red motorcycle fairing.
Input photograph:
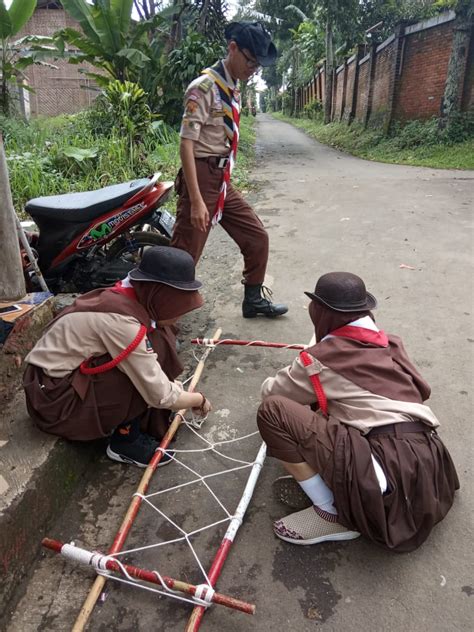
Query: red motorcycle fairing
(109, 225)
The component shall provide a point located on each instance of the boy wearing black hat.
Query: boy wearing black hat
(209, 139)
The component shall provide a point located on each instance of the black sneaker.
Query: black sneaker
(138, 452)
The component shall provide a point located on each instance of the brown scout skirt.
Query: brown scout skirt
(83, 408)
(420, 473)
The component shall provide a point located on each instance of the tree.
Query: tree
(453, 90)
(110, 39)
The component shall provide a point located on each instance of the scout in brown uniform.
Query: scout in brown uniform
(107, 364)
(207, 132)
(369, 459)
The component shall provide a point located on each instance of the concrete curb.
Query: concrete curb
(37, 471)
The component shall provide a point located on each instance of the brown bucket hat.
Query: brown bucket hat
(342, 292)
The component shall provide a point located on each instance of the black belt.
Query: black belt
(216, 161)
(402, 427)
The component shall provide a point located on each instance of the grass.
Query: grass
(245, 154)
(417, 144)
(40, 161)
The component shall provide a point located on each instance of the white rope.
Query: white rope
(204, 592)
(209, 342)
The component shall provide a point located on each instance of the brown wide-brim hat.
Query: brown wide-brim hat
(343, 292)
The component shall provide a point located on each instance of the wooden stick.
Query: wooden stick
(134, 506)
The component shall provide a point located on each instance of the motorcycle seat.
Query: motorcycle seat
(84, 206)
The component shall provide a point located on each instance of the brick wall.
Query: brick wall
(425, 58)
(351, 75)
(381, 84)
(403, 78)
(362, 92)
(62, 90)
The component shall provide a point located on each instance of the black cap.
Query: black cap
(343, 292)
(171, 266)
(254, 37)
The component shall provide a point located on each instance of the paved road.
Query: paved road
(324, 211)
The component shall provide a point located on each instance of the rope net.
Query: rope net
(233, 519)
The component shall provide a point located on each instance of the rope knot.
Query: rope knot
(205, 593)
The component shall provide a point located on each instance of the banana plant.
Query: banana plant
(16, 55)
(110, 40)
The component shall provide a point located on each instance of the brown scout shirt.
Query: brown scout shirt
(82, 335)
(203, 118)
(347, 402)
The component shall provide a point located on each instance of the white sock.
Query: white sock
(319, 493)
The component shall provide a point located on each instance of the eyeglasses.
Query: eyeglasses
(251, 63)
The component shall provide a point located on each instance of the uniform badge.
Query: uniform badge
(217, 97)
(191, 106)
(217, 113)
(194, 94)
(149, 348)
(205, 85)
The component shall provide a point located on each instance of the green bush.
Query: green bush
(414, 134)
(313, 110)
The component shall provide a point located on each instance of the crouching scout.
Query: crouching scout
(348, 422)
(107, 364)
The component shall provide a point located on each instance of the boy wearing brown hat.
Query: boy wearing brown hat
(209, 140)
(349, 424)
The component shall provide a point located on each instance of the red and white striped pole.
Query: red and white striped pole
(197, 614)
(211, 342)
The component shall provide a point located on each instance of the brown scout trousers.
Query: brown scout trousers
(238, 220)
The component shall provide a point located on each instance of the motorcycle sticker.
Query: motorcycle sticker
(102, 229)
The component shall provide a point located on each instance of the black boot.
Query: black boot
(257, 301)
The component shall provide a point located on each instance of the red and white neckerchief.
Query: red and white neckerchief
(230, 96)
(364, 330)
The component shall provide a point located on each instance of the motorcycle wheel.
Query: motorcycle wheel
(121, 249)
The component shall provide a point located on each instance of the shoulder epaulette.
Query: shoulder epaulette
(205, 85)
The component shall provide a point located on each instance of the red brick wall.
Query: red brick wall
(351, 72)
(423, 73)
(362, 92)
(380, 96)
(61, 90)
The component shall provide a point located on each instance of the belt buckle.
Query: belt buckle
(222, 164)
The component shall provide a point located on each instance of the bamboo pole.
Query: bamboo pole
(134, 506)
(99, 561)
(210, 342)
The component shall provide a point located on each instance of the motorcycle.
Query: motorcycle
(90, 240)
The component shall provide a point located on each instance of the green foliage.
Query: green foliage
(286, 103)
(417, 143)
(127, 104)
(15, 56)
(66, 153)
(313, 109)
(182, 65)
(110, 39)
